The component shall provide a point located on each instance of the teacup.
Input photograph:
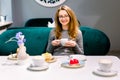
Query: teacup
(38, 61)
(2, 18)
(105, 65)
(63, 41)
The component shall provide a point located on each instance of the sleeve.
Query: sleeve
(50, 48)
(79, 46)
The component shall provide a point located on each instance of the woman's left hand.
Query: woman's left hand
(70, 43)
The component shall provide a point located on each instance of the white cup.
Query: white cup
(63, 41)
(105, 65)
(2, 18)
(38, 61)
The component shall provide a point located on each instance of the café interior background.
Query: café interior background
(101, 14)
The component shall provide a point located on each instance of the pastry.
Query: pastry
(48, 56)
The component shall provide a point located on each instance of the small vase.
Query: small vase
(21, 52)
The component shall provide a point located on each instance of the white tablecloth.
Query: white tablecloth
(10, 71)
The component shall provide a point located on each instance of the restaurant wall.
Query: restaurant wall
(6, 9)
(100, 14)
(0, 7)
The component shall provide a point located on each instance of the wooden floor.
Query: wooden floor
(115, 53)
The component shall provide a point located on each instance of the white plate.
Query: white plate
(105, 74)
(52, 60)
(67, 65)
(41, 68)
(12, 56)
(79, 57)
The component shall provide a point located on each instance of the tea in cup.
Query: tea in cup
(63, 41)
(105, 65)
(38, 61)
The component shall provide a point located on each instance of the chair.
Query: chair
(38, 22)
(95, 41)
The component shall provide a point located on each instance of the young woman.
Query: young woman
(66, 26)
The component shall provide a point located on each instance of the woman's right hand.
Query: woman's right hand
(56, 42)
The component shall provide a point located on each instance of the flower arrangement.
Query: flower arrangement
(21, 50)
(19, 38)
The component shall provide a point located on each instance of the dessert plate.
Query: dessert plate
(12, 56)
(79, 57)
(40, 68)
(52, 60)
(105, 74)
(67, 65)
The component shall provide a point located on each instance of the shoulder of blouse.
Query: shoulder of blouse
(79, 32)
(52, 30)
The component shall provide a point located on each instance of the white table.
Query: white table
(56, 72)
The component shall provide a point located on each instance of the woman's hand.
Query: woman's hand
(56, 42)
(70, 43)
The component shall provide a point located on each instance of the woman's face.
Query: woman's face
(64, 18)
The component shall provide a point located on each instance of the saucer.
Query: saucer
(67, 65)
(38, 68)
(12, 56)
(105, 74)
(52, 60)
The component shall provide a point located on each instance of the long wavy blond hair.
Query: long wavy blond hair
(73, 24)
